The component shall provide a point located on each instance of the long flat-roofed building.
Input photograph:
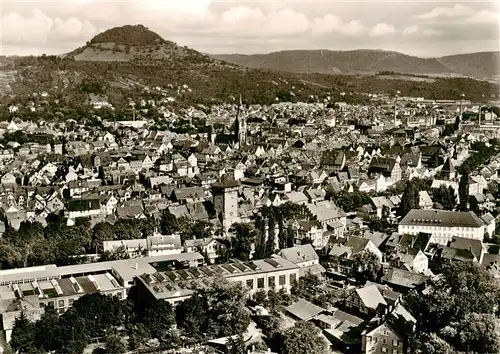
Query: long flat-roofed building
(443, 225)
(123, 270)
(29, 290)
(176, 286)
(32, 297)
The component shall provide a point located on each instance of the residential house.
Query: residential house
(341, 250)
(8, 180)
(365, 302)
(386, 166)
(82, 208)
(382, 340)
(403, 280)
(308, 230)
(305, 257)
(209, 246)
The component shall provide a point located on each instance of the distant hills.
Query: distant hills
(485, 65)
(124, 62)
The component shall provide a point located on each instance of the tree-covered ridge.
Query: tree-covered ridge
(213, 81)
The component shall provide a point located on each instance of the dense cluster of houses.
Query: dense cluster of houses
(244, 159)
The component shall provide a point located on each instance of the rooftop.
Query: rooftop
(441, 218)
(180, 283)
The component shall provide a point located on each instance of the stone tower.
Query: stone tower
(225, 196)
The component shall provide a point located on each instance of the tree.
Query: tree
(23, 335)
(461, 305)
(456, 126)
(191, 315)
(242, 242)
(114, 344)
(168, 223)
(101, 232)
(157, 318)
(410, 199)
(478, 333)
(48, 331)
(236, 345)
(366, 266)
(10, 257)
(463, 191)
(432, 344)
(93, 313)
(116, 254)
(137, 334)
(218, 311)
(445, 196)
(303, 338)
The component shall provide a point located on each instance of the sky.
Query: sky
(422, 28)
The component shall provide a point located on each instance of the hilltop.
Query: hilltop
(478, 65)
(124, 61)
(137, 35)
(130, 43)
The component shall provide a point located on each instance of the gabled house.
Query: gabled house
(341, 250)
(209, 246)
(386, 166)
(382, 340)
(333, 160)
(365, 302)
(305, 257)
(308, 230)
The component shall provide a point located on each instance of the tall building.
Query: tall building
(240, 126)
(225, 195)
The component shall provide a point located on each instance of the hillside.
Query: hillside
(124, 62)
(485, 64)
(478, 65)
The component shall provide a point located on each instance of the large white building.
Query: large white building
(442, 224)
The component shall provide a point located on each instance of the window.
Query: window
(375, 339)
(51, 303)
(395, 343)
(70, 302)
(271, 281)
(282, 280)
(368, 339)
(292, 278)
(119, 295)
(260, 283)
(384, 341)
(60, 303)
(395, 351)
(250, 283)
(384, 350)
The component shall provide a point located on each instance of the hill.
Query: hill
(478, 65)
(484, 64)
(124, 62)
(129, 43)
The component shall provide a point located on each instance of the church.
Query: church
(236, 136)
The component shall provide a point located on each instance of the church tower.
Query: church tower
(241, 126)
